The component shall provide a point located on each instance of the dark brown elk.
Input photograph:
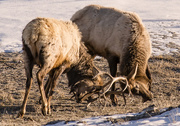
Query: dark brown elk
(120, 37)
(56, 47)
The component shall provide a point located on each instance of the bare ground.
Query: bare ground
(166, 89)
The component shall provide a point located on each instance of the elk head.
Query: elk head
(140, 85)
(81, 88)
(85, 89)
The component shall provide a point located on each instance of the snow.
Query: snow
(168, 118)
(161, 18)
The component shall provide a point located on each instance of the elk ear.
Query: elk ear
(133, 73)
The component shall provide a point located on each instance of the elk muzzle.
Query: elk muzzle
(145, 93)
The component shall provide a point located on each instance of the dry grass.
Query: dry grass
(166, 89)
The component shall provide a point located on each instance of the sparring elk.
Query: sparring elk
(56, 47)
(120, 37)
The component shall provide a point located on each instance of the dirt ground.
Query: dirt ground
(166, 89)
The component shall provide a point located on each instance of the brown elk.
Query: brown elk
(120, 37)
(56, 47)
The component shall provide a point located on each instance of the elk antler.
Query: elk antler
(106, 93)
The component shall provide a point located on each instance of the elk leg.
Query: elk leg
(40, 77)
(28, 71)
(53, 77)
(113, 70)
(46, 88)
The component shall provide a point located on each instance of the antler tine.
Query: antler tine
(114, 80)
(127, 85)
(86, 96)
(72, 96)
(78, 82)
(101, 73)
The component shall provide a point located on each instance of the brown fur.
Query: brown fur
(55, 46)
(120, 37)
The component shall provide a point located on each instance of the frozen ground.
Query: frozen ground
(161, 17)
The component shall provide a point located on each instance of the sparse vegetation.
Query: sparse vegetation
(165, 87)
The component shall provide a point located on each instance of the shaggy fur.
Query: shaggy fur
(120, 37)
(57, 48)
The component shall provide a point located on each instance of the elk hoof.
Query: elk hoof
(20, 114)
(49, 110)
(44, 110)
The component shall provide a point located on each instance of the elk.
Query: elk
(56, 47)
(120, 37)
